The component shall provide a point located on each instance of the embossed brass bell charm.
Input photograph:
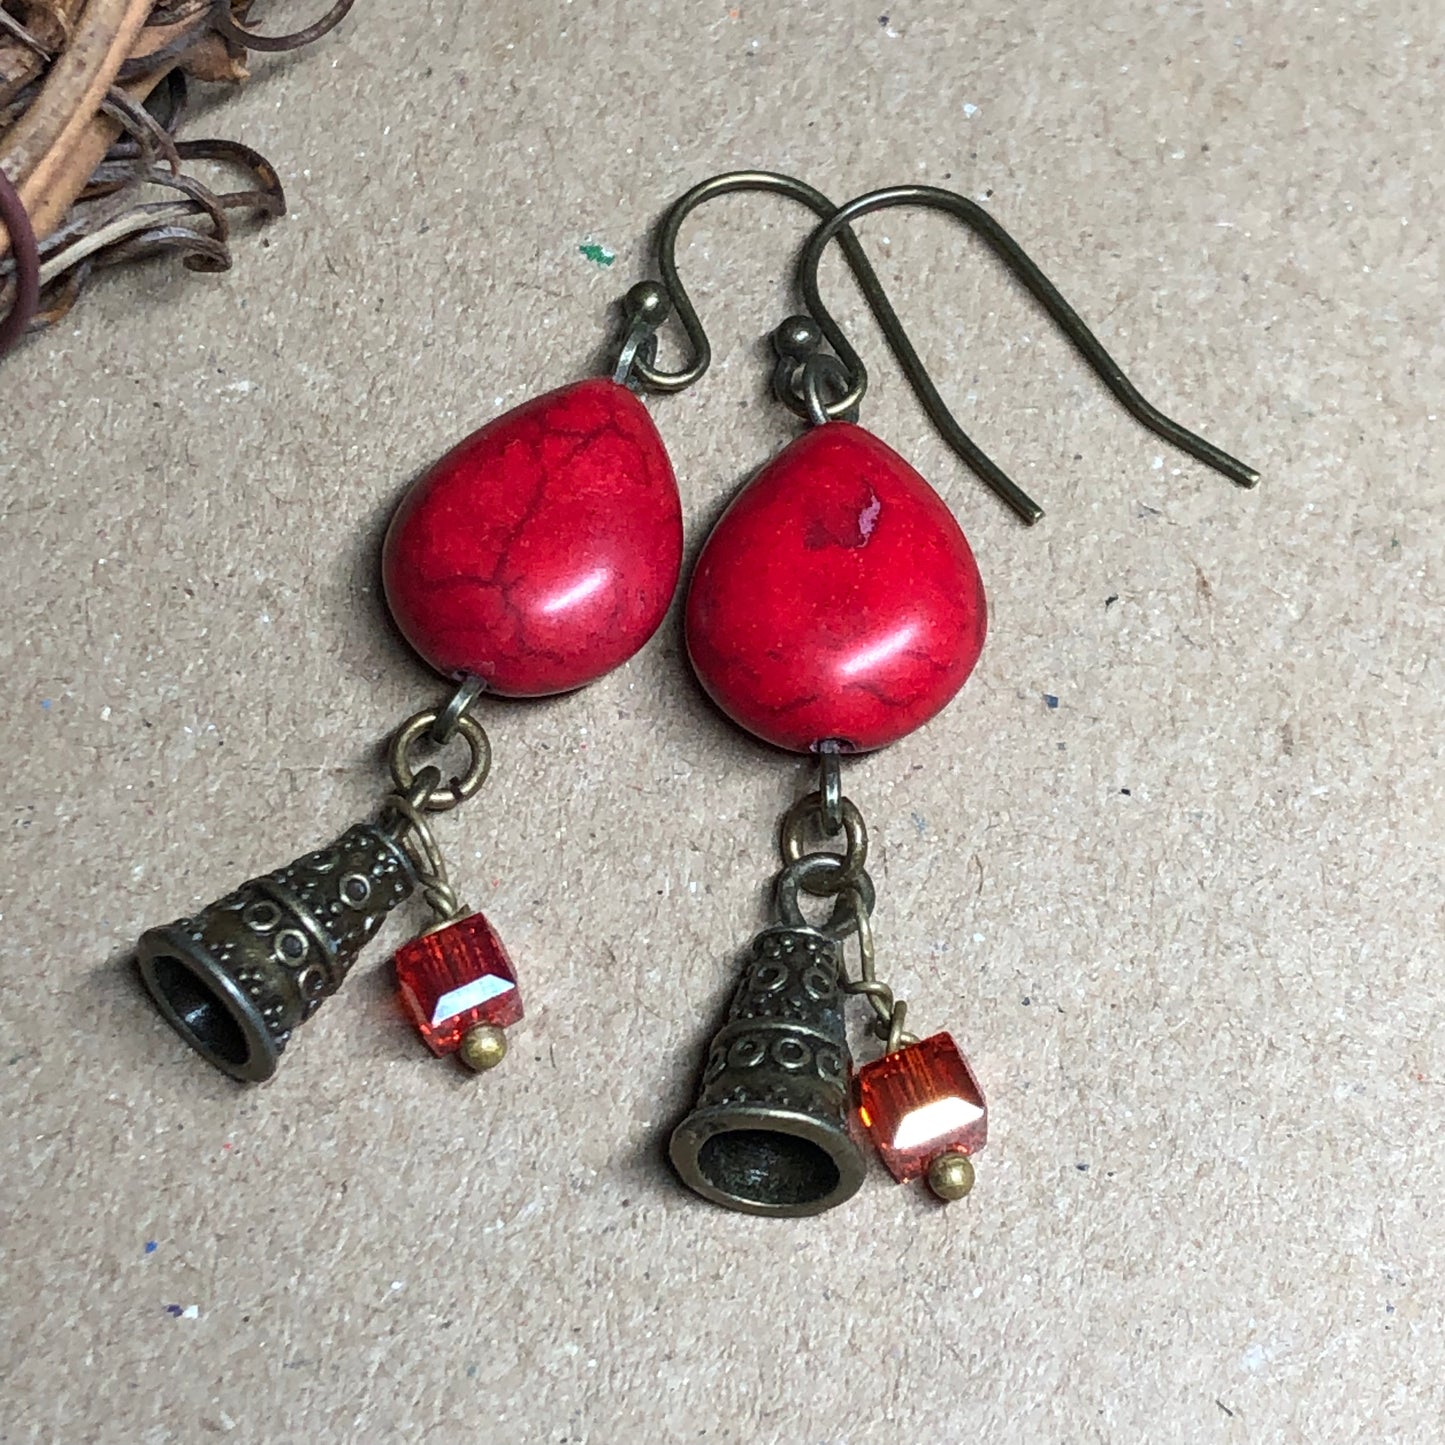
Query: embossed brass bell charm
(772, 1131)
(769, 1133)
(237, 978)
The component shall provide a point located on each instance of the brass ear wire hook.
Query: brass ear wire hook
(1013, 256)
(646, 305)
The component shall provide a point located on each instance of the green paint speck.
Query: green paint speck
(598, 254)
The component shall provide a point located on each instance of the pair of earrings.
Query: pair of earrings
(835, 608)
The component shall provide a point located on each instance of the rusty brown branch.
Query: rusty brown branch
(36, 145)
(232, 29)
(82, 140)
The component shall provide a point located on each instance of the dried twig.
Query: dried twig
(92, 94)
(25, 299)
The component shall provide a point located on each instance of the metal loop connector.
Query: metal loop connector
(823, 383)
(645, 307)
(889, 1013)
(818, 874)
(459, 789)
(896, 1035)
(847, 867)
(444, 729)
(830, 785)
(404, 818)
(806, 380)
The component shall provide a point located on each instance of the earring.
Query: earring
(835, 608)
(537, 555)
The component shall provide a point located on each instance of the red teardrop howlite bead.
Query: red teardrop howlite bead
(544, 550)
(837, 597)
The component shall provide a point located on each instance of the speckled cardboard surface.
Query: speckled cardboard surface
(1186, 922)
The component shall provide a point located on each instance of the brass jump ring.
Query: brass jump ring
(854, 900)
(444, 729)
(459, 789)
(851, 861)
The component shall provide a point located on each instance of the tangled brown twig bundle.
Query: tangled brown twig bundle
(92, 95)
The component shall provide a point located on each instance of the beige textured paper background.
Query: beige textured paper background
(1208, 1009)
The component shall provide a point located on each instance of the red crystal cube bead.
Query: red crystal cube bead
(919, 1102)
(455, 978)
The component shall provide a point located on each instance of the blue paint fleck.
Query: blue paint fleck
(151, 1246)
(175, 1311)
(1051, 700)
(45, 704)
(919, 822)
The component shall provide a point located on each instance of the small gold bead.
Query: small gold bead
(483, 1047)
(950, 1176)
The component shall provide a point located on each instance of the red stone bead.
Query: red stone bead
(456, 978)
(919, 1102)
(544, 550)
(836, 598)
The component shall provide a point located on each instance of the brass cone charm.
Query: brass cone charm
(239, 976)
(770, 1131)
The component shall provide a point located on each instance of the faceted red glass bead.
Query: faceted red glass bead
(543, 550)
(919, 1102)
(837, 597)
(456, 978)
